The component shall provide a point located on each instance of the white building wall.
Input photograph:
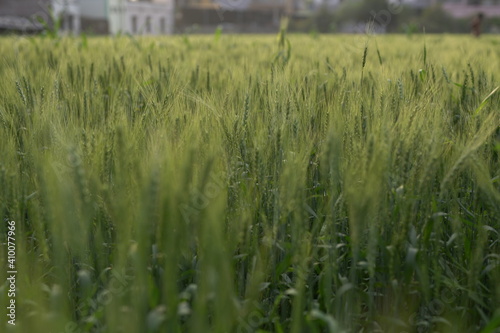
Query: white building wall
(141, 18)
(69, 11)
(151, 18)
(116, 15)
(95, 9)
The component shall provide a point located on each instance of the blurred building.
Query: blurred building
(461, 8)
(151, 17)
(468, 8)
(68, 11)
(234, 15)
(22, 15)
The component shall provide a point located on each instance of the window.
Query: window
(134, 24)
(70, 22)
(163, 26)
(148, 24)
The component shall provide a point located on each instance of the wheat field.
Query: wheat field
(250, 183)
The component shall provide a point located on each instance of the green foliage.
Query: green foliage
(217, 33)
(284, 46)
(325, 21)
(434, 19)
(52, 27)
(175, 184)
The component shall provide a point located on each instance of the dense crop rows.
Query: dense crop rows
(240, 183)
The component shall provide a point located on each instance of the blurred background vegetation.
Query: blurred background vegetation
(409, 19)
(163, 17)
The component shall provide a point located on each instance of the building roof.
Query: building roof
(16, 23)
(458, 10)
